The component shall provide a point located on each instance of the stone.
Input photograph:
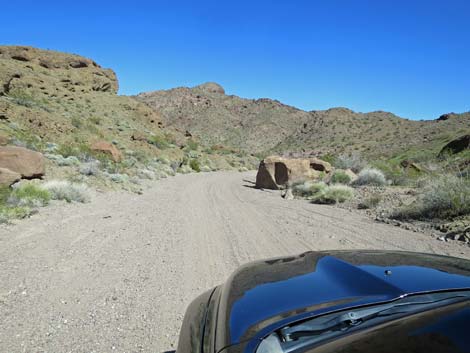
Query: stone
(8, 177)
(275, 172)
(107, 148)
(407, 164)
(29, 164)
(457, 145)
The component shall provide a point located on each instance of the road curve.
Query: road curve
(116, 274)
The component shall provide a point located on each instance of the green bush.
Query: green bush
(9, 213)
(370, 176)
(370, 202)
(340, 177)
(308, 188)
(334, 194)
(194, 164)
(159, 141)
(29, 195)
(443, 198)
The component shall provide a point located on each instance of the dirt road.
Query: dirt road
(116, 275)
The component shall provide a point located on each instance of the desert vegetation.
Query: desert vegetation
(433, 193)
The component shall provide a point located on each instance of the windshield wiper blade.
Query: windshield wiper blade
(353, 318)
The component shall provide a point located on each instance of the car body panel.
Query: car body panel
(263, 296)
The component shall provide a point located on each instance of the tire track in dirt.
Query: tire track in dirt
(116, 275)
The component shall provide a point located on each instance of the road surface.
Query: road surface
(116, 274)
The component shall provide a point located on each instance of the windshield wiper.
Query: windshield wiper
(347, 320)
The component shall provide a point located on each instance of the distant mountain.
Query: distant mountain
(266, 125)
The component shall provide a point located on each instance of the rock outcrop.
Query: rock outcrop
(211, 87)
(107, 148)
(456, 146)
(8, 177)
(77, 74)
(29, 164)
(275, 172)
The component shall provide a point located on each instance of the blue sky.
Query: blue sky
(408, 57)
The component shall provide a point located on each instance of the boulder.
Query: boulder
(275, 172)
(107, 148)
(29, 164)
(321, 166)
(138, 136)
(8, 177)
(407, 164)
(456, 146)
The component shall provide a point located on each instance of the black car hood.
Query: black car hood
(262, 296)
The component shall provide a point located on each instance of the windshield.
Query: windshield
(314, 331)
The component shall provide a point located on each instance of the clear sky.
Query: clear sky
(410, 57)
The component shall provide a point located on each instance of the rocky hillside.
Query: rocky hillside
(65, 105)
(265, 125)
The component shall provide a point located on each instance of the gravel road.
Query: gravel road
(116, 274)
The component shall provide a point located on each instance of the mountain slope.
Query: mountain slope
(266, 125)
(62, 104)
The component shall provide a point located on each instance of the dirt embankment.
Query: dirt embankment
(116, 275)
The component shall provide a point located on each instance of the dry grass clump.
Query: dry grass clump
(371, 176)
(307, 188)
(319, 192)
(29, 195)
(65, 190)
(352, 161)
(340, 177)
(444, 197)
(332, 194)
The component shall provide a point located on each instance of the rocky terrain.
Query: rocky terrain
(63, 112)
(116, 274)
(115, 258)
(267, 126)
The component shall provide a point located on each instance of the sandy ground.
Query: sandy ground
(116, 275)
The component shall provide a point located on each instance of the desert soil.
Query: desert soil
(116, 274)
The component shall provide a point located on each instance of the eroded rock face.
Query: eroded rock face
(71, 73)
(107, 148)
(29, 164)
(8, 177)
(275, 172)
(456, 146)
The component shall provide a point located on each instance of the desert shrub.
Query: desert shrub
(5, 192)
(29, 195)
(9, 213)
(146, 174)
(353, 162)
(194, 164)
(65, 190)
(442, 198)
(159, 141)
(334, 194)
(63, 161)
(340, 177)
(118, 178)
(90, 168)
(184, 169)
(192, 145)
(370, 176)
(76, 122)
(370, 202)
(308, 188)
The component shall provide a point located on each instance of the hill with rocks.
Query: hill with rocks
(266, 126)
(66, 107)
